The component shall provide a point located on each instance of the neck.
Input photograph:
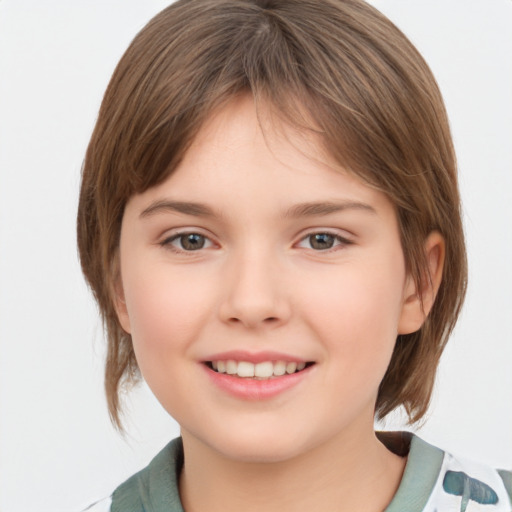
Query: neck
(336, 475)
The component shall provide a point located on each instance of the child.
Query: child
(270, 222)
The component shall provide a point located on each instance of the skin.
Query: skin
(260, 283)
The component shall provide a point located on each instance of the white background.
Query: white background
(58, 451)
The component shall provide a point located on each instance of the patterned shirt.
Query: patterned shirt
(433, 481)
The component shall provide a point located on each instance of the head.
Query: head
(335, 70)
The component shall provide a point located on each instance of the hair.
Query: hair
(368, 94)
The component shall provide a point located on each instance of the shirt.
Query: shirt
(433, 481)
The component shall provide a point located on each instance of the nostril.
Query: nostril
(269, 320)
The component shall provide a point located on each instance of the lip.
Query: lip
(253, 389)
(254, 357)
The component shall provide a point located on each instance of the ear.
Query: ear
(117, 294)
(418, 303)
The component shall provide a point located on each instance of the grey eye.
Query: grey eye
(321, 241)
(187, 242)
(191, 241)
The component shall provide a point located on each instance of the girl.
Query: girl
(270, 222)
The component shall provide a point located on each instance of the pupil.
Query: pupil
(321, 241)
(192, 242)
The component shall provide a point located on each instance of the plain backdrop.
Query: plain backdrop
(58, 451)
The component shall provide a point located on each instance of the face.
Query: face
(263, 290)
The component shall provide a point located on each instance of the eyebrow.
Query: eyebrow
(185, 207)
(311, 209)
(315, 209)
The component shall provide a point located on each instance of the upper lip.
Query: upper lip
(254, 357)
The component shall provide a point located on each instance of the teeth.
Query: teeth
(245, 369)
(291, 367)
(279, 368)
(231, 367)
(263, 370)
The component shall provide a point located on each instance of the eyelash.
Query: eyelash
(342, 241)
(168, 242)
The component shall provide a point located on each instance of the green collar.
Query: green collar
(155, 488)
(420, 475)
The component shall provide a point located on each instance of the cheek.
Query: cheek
(166, 310)
(358, 313)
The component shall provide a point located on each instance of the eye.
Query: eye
(323, 241)
(187, 242)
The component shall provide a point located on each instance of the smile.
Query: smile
(263, 370)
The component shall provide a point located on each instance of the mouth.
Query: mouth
(264, 370)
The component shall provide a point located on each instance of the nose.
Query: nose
(254, 293)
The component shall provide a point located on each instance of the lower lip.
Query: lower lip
(252, 389)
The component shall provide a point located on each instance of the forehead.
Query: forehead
(248, 158)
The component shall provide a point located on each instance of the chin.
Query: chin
(256, 453)
(256, 447)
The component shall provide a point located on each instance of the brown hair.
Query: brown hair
(368, 93)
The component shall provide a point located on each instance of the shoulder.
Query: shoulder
(443, 481)
(154, 488)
